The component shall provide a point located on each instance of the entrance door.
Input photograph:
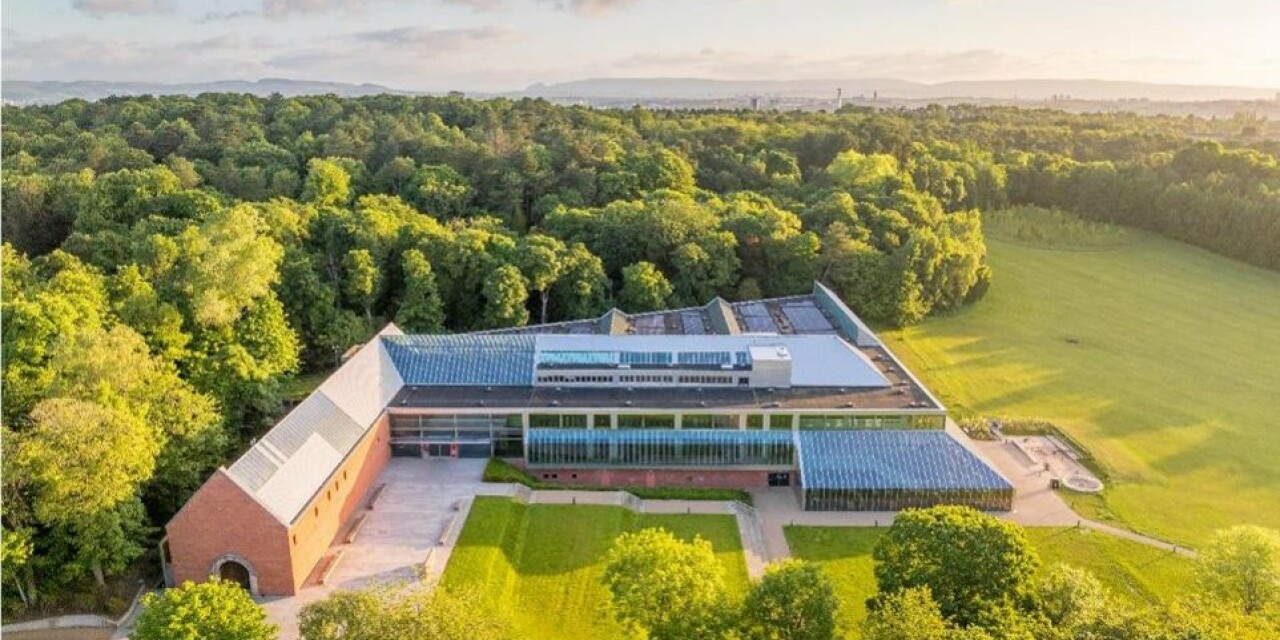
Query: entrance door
(235, 572)
(440, 450)
(780, 479)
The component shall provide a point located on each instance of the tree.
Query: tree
(667, 588)
(1070, 598)
(421, 310)
(581, 292)
(505, 293)
(214, 610)
(794, 601)
(1241, 567)
(400, 611)
(543, 260)
(908, 614)
(644, 288)
(327, 183)
(971, 562)
(85, 460)
(362, 280)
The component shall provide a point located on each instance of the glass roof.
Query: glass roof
(891, 460)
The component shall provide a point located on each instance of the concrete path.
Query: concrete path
(403, 536)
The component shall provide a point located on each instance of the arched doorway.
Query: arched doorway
(235, 572)
(234, 568)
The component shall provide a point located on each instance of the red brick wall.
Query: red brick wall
(324, 516)
(222, 519)
(720, 478)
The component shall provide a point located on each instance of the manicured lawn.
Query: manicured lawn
(1135, 572)
(540, 565)
(1163, 359)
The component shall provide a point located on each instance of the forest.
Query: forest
(170, 263)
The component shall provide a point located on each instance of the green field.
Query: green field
(540, 565)
(1138, 573)
(1163, 359)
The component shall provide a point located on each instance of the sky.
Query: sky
(500, 45)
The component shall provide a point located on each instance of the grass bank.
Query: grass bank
(1162, 359)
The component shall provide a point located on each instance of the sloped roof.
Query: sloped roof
(284, 469)
(463, 360)
(887, 460)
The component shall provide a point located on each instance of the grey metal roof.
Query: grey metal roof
(842, 459)
(845, 319)
(285, 468)
(463, 360)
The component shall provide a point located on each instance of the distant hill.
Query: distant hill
(605, 91)
(38, 92)
(1035, 89)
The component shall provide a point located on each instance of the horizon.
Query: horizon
(495, 46)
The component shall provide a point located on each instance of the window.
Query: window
(706, 379)
(316, 511)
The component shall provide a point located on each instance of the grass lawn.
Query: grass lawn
(540, 565)
(1161, 358)
(1135, 572)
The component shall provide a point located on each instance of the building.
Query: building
(793, 392)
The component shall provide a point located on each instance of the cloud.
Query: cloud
(100, 8)
(223, 16)
(597, 7)
(393, 55)
(279, 9)
(89, 58)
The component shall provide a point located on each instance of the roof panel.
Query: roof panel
(841, 459)
(464, 360)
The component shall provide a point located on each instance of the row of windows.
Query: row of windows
(575, 379)
(649, 379)
(708, 380)
(500, 425)
(661, 452)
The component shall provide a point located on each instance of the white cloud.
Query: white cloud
(100, 8)
(279, 9)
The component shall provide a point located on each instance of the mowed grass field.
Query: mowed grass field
(1163, 359)
(540, 565)
(1135, 572)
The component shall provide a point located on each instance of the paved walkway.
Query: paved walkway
(423, 499)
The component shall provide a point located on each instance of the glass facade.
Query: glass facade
(645, 447)
(502, 433)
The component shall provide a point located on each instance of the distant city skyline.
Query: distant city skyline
(501, 45)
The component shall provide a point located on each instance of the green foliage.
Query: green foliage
(908, 614)
(668, 588)
(1051, 228)
(327, 184)
(793, 601)
(362, 278)
(644, 288)
(505, 292)
(1240, 567)
(400, 611)
(1070, 598)
(214, 610)
(971, 562)
(421, 310)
